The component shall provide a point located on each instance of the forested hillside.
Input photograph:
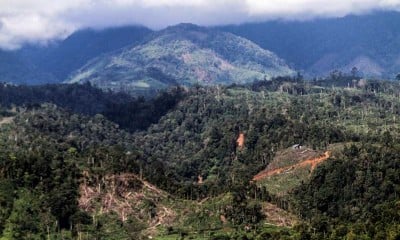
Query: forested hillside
(61, 58)
(319, 46)
(129, 112)
(182, 165)
(185, 54)
(316, 47)
(53, 62)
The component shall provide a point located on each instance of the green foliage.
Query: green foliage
(189, 149)
(243, 211)
(24, 220)
(6, 201)
(360, 189)
(131, 114)
(321, 46)
(111, 227)
(182, 55)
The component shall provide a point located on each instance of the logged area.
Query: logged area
(270, 120)
(312, 163)
(276, 159)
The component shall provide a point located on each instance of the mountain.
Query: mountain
(54, 62)
(64, 57)
(184, 54)
(369, 42)
(316, 47)
(14, 68)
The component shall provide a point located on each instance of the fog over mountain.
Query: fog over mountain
(185, 54)
(199, 119)
(41, 21)
(45, 42)
(369, 42)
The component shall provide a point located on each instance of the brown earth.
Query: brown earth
(126, 195)
(240, 141)
(313, 162)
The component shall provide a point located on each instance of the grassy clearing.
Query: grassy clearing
(283, 183)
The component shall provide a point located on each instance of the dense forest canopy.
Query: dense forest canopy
(80, 163)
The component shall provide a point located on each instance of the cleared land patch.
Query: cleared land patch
(289, 169)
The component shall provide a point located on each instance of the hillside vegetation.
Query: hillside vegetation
(320, 46)
(185, 54)
(245, 52)
(55, 61)
(77, 174)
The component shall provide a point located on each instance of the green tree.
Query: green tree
(24, 222)
(6, 201)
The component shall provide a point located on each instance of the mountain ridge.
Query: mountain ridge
(184, 54)
(335, 42)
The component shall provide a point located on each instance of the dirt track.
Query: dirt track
(313, 162)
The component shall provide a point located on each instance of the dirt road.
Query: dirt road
(313, 162)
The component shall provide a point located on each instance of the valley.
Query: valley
(269, 154)
(259, 120)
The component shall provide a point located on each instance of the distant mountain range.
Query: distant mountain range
(185, 54)
(16, 69)
(138, 58)
(369, 42)
(55, 62)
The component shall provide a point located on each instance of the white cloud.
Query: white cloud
(313, 8)
(23, 21)
(38, 21)
(17, 29)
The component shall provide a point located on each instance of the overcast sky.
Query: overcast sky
(38, 21)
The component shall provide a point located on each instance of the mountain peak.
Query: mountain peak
(183, 54)
(186, 27)
(186, 31)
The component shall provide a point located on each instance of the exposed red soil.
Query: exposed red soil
(240, 141)
(313, 162)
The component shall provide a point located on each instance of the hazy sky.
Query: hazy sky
(38, 21)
